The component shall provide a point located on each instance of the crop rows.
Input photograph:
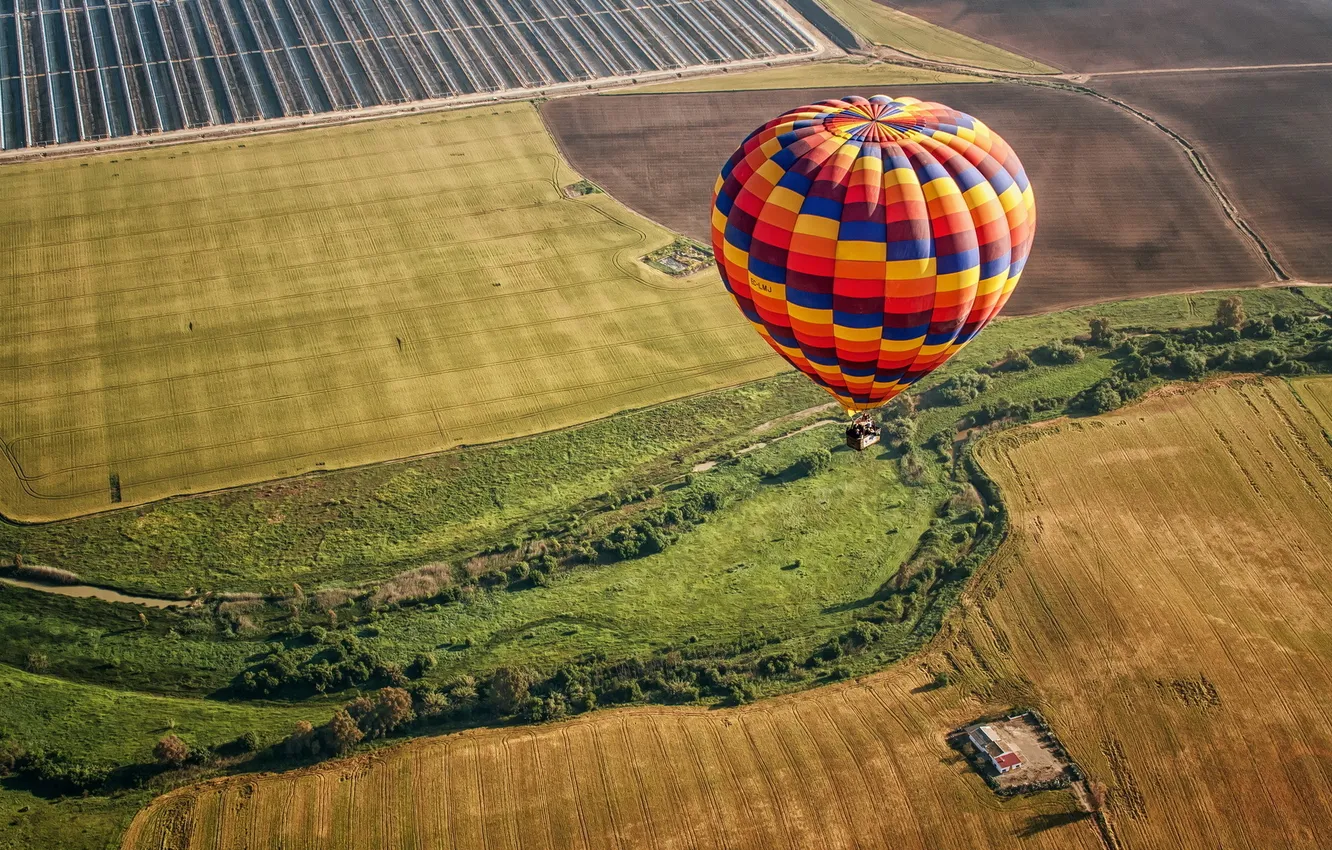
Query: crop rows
(73, 70)
(849, 767)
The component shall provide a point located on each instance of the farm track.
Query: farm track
(1161, 598)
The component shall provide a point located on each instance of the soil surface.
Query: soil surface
(1122, 213)
(1264, 136)
(1117, 35)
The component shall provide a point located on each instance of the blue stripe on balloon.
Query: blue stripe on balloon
(961, 261)
(858, 320)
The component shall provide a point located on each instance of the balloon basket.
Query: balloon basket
(862, 433)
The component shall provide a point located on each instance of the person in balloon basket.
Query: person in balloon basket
(862, 433)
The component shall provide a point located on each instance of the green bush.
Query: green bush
(1103, 398)
(812, 462)
(1057, 353)
(961, 389)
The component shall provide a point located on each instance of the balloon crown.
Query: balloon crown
(876, 120)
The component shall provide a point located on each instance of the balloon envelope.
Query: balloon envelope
(868, 240)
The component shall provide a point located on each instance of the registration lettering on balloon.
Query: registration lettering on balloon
(869, 239)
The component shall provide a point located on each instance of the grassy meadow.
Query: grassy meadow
(211, 315)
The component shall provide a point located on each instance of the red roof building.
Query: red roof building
(988, 741)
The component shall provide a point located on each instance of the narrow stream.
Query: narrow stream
(84, 591)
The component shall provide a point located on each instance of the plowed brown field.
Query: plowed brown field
(1162, 598)
(1264, 135)
(1116, 35)
(1122, 213)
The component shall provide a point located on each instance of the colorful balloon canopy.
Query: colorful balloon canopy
(869, 240)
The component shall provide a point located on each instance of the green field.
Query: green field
(106, 726)
(851, 73)
(889, 27)
(209, 315)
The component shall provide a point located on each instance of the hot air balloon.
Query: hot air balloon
(868, 240)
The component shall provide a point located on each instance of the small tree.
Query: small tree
(341, 733)
(434, 704)
(392, 708)
(1189, 364)
(1101, 332)
(37, 662)
(302, 740)
(171, 751)
(508, 689)
(1103, 398)
(1230, 313)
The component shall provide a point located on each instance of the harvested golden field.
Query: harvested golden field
(846, 766)
(208, 315)
(1162, 599)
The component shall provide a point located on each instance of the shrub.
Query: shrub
(58, 773)
(741, 693)
(776, 665)
(37, 662)
(1102, 333)
(962, 389)
(1287, 321)
(900, 432)
(1258, 329)
(813, 462)
(1058, 353)
(434, 704)
(1268, 358)
(422, 664)
(1017, 361)
(11, 755)
(171, 751)
(677, 690)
